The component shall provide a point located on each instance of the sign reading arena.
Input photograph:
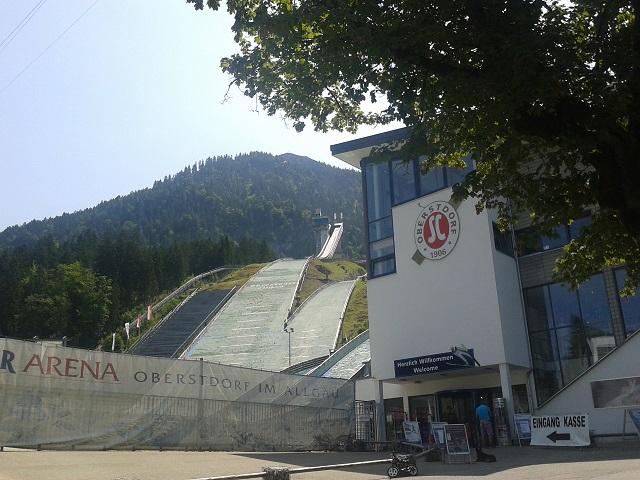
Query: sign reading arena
(434, 363)
(437, 230)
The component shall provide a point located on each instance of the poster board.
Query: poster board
(560, 430)
(455, 435)
(634, 416)
(616, 393)
(522, 422)
(437, 429)
(412, 432)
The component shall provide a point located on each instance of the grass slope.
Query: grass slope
(356, 317)
(237, 278)
(321, 272)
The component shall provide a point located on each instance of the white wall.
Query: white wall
(426, 309)
(576, 398)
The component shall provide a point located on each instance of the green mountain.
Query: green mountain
(255, 195)
(84, 274)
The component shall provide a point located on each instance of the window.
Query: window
(544, 352)
(530, 240)
(389, 183)
(565, 305)
(568, 331)
(455, 175)
(502, 240)
(422, 409)
(383, 266)
(432, 181)
(378, 190)
(538, 306)
(630, 305)
(381, 248)
(595, 308)
(379, 229)
(404, 181)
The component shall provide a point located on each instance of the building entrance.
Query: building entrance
(459, 406)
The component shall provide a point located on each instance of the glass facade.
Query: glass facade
(530, 240)
(568, 331)
(630, 306)
(390, 183)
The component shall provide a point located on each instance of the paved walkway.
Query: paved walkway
(619, 462)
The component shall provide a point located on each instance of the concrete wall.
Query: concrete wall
(576, 398)
(428, 308)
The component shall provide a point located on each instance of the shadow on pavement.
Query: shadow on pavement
(507, 458)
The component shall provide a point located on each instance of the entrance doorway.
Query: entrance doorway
(459, 406)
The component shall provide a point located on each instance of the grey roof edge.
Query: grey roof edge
(370, 141)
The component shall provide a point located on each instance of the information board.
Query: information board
(560, 430)
(616, 392)
(455, 435)
(437, 429)
(634, 415)
(434, 363)
(522, 422)
(412, 432)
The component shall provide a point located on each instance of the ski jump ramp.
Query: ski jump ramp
(331, 245)
(347, 361)
(248, 330)
(317, 322)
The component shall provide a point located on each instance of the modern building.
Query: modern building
(460, 311)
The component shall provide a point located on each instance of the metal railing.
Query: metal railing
(196, 332)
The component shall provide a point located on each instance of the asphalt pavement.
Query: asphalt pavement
(612, 462)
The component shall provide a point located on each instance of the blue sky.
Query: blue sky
(129, 94)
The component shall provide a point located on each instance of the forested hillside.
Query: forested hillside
(255, 195)
(86, 287)
(81, 274)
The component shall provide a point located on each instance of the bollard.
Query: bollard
(276, 473)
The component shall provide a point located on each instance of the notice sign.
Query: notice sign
(455, 435)
(434, 363)
(411, 432)
(560, 430)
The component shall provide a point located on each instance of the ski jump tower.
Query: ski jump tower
(328, 237)
(321, 228)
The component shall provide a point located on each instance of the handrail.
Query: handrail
(344, 309)
(188, 283)
(301, 278)
(339, 354)
(159, 323)
(196, 332)
(271, 470)
(174, 294)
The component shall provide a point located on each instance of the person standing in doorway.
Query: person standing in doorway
(483, 416)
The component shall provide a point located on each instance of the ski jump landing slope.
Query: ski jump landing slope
(348, 360)
(317, 323)
(248, 330)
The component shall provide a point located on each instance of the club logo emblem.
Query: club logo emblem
(437, 230)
